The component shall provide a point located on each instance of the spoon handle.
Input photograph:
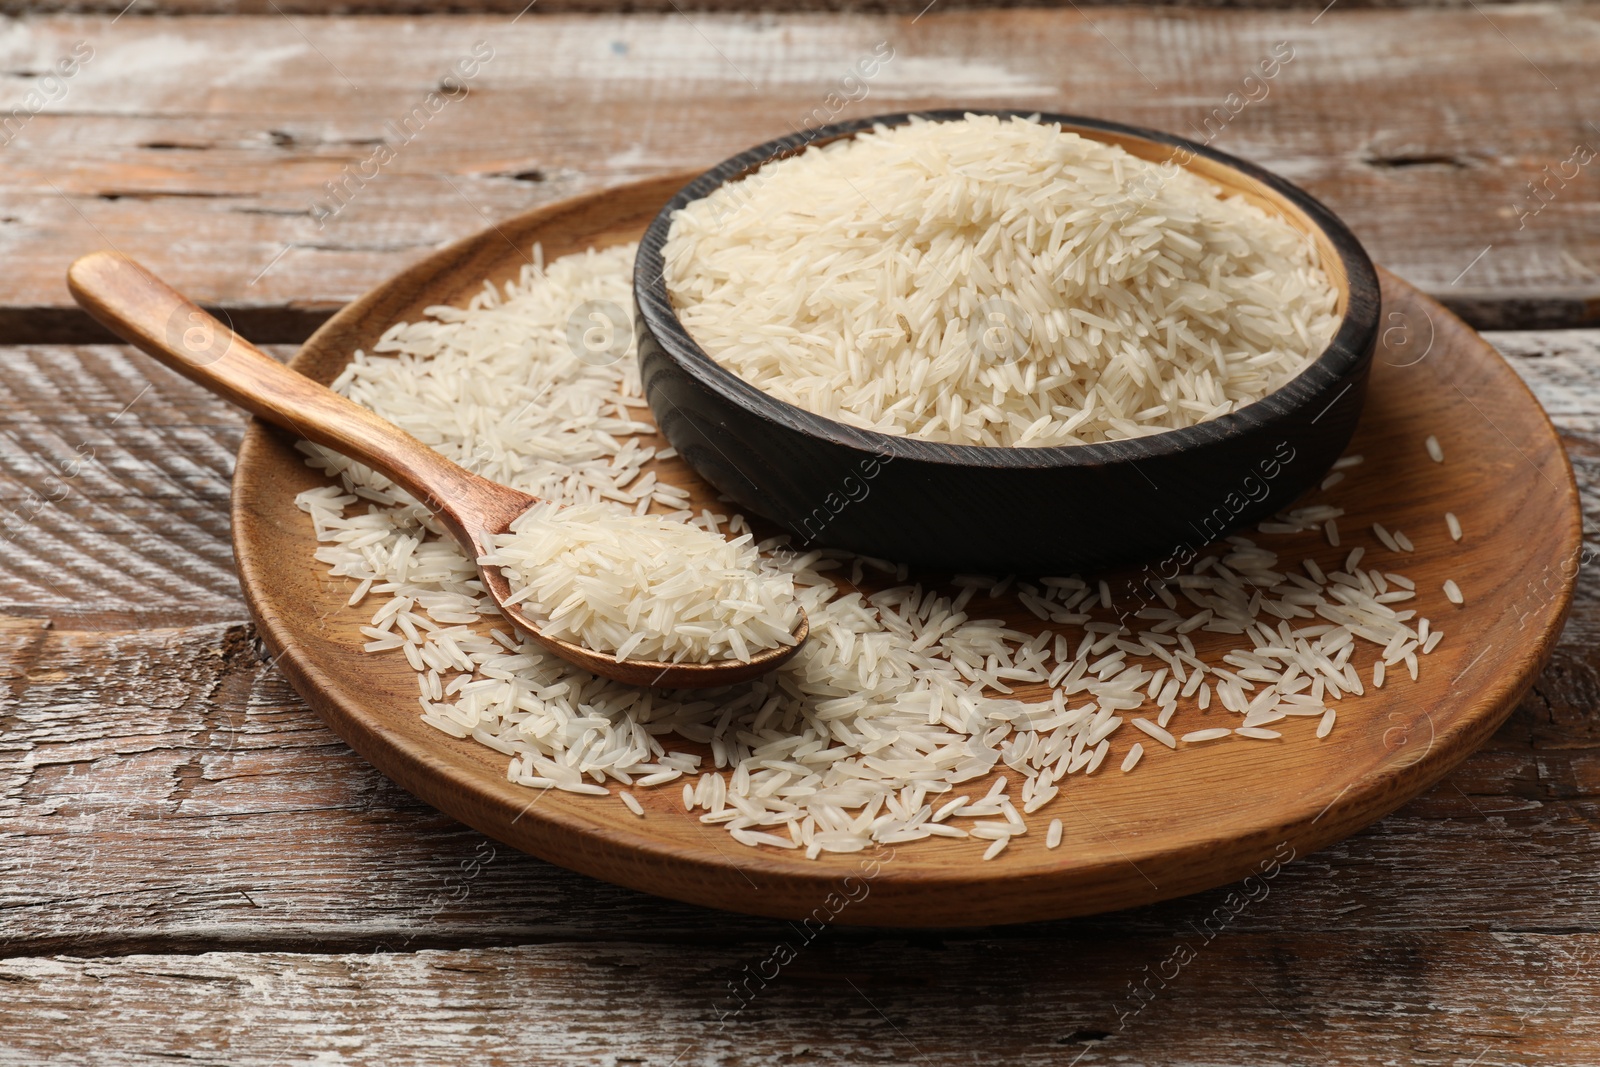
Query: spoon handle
(144, 310)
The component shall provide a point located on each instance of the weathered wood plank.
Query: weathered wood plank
(181, 8)
(168, 790)
(204, 146)
(1241, 997)
(114, 478)
(162, 788)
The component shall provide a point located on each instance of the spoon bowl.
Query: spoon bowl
(145, 311)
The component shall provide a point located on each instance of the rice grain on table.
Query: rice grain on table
(1453, 524)
(893, 723)
(1452, 592)
(1434, 451)
(996, 282)
(1156, 732)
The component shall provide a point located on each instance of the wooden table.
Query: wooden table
(193, 868)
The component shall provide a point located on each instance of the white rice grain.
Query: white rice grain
(996, 282)
(1156, 732)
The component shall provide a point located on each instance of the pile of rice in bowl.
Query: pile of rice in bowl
(912, 711)
(997, 282)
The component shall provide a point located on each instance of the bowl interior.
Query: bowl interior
(1340, 255)
(1154, 148)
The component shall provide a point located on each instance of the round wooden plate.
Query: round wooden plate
(1182, 821)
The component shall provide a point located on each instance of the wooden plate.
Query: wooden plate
(1182, 821)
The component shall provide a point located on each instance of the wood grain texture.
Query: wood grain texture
(1244, 997)
(168, 791)
(112, 479)
(182, 8)
(1243, 804)
(226, 130)
(164, 790)
(191, 738)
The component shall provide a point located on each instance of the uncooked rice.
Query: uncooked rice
(997, 282)
(643, 587)
(908, 714)
(1157, 732)
(1131, 760)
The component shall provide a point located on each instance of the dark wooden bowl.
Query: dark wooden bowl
(1073, 508)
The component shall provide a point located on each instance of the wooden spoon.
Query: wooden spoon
(145, 311)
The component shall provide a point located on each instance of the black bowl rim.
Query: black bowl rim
(1352, 343)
